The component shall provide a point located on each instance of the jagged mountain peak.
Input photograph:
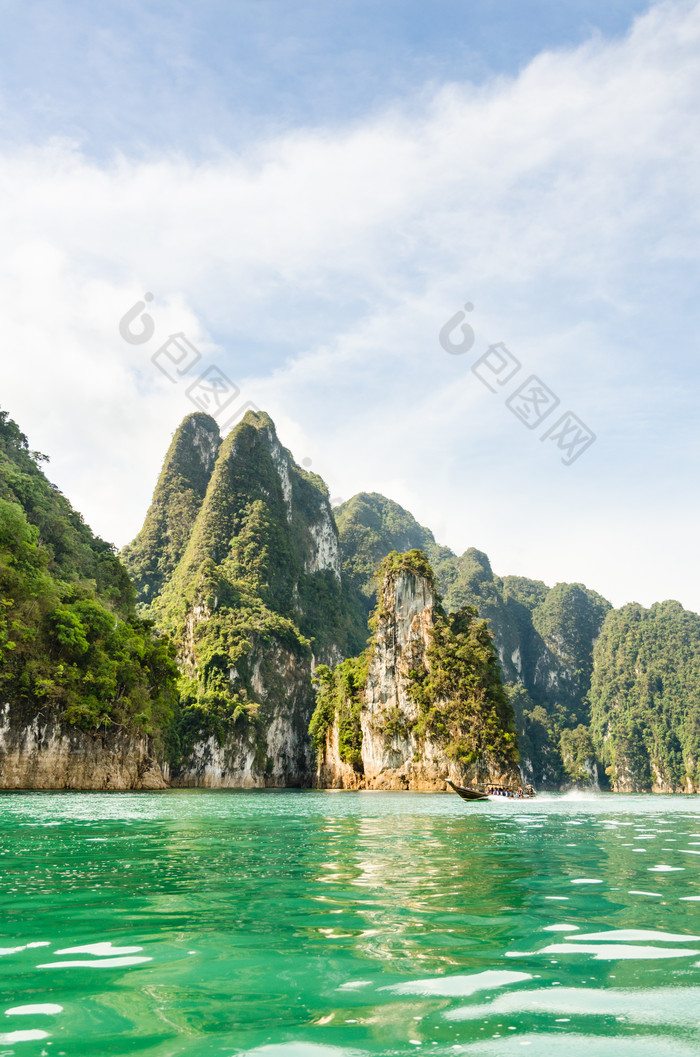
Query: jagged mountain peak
(255, 597)
(182, 483)
(255, 479)
(369, 527)
(201, 432)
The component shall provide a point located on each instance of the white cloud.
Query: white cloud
(317, 268)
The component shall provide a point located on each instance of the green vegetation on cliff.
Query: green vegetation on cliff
(240, 561)
(645, 697)
(544, 636)
(339, 699)
(257, 588)
(459, 691)
(152, 557)
(455, 682)
(415, 563)
(71, 644)
(565, 624)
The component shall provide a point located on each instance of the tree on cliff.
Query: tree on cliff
(454, 687)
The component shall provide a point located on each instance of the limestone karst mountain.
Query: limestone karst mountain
(255, 599)
(645, 698)
(544, 637)
(249, 581)
(425, 701)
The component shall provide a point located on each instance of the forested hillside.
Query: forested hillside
(599, 695)
(243, 575)
(252, 596)
(645, 697)
(71, 643)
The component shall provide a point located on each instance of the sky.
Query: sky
(311, 194)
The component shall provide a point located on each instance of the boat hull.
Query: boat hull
(467, 794)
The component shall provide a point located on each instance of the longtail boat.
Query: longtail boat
(495, 792)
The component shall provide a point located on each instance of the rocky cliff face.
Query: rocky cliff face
(271, 749)
(544, 636)
(412, 737)
(254, 601)
(392, 757)
(43, 754)
(241, 562)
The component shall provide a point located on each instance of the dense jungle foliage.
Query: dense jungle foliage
(71, 644)
(227, 565)
(645, 696)
(339, 699)
(544, 636)
(244, 603)
(456, 682)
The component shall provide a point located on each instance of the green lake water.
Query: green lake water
(289, 923)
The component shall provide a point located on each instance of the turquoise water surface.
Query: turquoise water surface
(198, 922)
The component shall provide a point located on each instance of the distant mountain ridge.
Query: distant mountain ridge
(567, 658)
(252, 582)
(555, 645)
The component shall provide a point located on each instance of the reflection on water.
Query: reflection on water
(300, 923)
